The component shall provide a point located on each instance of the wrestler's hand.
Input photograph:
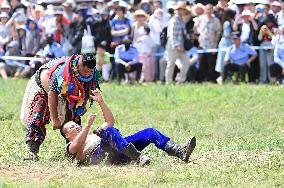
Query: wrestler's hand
(56, 124)
(91, 119)
(96, 96)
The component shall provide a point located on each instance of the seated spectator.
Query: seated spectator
(103, 61)
(277, 68)
(127, 60)
(237, 58)
(92, 149)
(12, 67)
(194, 67)
(52, 48)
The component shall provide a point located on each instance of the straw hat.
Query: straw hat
(140, 12)
(198, 9)
(181, 5)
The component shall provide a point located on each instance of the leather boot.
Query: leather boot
(135, 155)
(182, 152)
(33, 149)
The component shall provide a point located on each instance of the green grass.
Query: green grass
(239, 131)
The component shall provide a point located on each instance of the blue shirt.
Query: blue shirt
(117, 25)
(192, 53)
(54, 49)
(122, 56)
(239, 55)
(279, 53)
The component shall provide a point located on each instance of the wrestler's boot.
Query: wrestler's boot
(182, 152)
(33, 149)
(135, 155)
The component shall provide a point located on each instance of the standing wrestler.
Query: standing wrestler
(59, 91)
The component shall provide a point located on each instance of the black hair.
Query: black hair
(147, 29)
(121, 8)
(89, 60)
(62, 133)
(228, 15)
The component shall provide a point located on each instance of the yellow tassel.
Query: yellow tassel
(64, 88)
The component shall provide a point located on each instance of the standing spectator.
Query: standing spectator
(280, 18)
(102, 30)
(103, 61)
(32, 37)
(275, 8)
(164, 36)
(145, 47)
(277, 68)
(156, 25)
(120, 26)
(226, 41)
(175, 45)
(238, 58)
(266, 55)
(77, 32)
(127, 60)
(48, 25)
(62, 26)
(21, 38)
(261, 12)
(140, 17)
(38, 14)
(5, 31)
(209, 29)
(146, 6)
(5, 7)
(68, 10)
(219, 9)
(246, 24)
(157, 4)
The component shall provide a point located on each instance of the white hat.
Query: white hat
(123, 4)
(4, 15)
(171, 4)
(49, 10)
(5, 4)
(39, 8)
(247, 13)
(276, 3)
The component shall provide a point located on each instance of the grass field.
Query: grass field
(239, 131)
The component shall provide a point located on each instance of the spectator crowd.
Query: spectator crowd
(148, 41)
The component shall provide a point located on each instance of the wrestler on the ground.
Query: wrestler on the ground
(107, 142)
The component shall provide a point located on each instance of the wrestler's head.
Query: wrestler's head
(70, 130)
(86, 64)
